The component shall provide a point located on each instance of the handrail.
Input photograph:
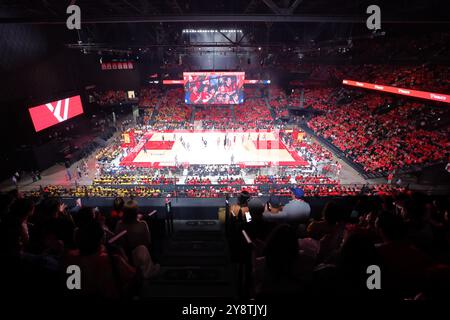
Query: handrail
(247, 238)
(117, 236)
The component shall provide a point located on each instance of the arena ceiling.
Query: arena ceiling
(50, 9)
(123, 26)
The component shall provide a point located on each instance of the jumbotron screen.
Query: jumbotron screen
(52, 113)
(214, 87)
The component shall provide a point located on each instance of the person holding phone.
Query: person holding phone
(257, 227)
(239, 210)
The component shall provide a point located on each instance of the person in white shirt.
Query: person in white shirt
(296, 210)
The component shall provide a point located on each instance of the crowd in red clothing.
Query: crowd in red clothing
(126, 179)
(318, 152)
(197, 181)
(251, 92)
(230, 181)
(201, 190)
(149, 96)
(425, 77)
(381, 142)
(265, 179)
(317, 98)
(214, 117)
(294, 99)
(315, 180)
(111, 97)
(278, 101)
(173, 109)
(147, 114)
(312, 190)
(252, 114)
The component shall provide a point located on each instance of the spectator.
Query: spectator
(105, 275)
(14, 232)
(403, 265)
(318, 229)
(137, 231)
(357, 253)
(239, 210)
(296, 211)
(54, 227)
(257, 228)
(345, 277)
(280, 277)
(116, 213)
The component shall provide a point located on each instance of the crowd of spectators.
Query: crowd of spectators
(309, 149)
(149, 97)
(214, 170)
(111, 97)
(214, 117)
(230, 181)
(326, 187)
(197, 181)
(318, 98)
(278, 101)
(386, 141)
(173, 110)
(265, 179)
(41, 237)
(147, 114)
(124, 179)
(315, 180)
(109, 153)
(327, 255)
(253, 114)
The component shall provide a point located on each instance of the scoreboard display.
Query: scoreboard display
(214, 87)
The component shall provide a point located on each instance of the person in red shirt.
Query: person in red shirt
(195, 96)
(205, 96)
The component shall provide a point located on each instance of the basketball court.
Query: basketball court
(249, 148)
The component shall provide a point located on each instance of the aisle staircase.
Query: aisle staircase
(272, 112)
(195, 263)
(233, 114)
(302, 98)
(156, 111)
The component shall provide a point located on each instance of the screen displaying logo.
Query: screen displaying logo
(49, 114)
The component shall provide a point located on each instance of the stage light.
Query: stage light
(211, 31)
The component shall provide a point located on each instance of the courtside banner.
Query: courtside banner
(406, 92)
(52, 113)
(173, 82)
(257, 81)
(245, 81)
